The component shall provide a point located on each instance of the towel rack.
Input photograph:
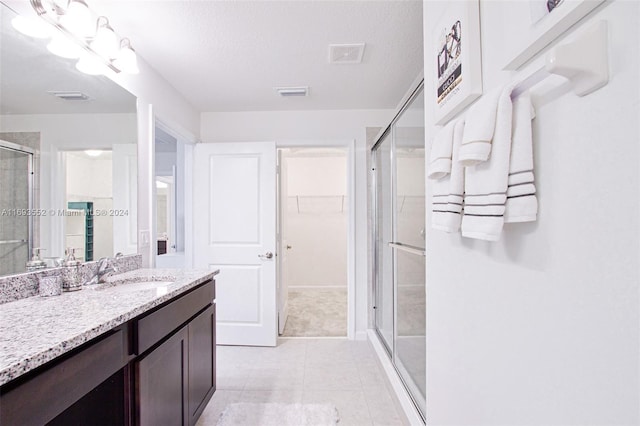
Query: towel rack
(584, 61)
(408, 248)
(13, 241)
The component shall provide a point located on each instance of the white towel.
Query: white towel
(479, 129)
(522, 204)
(448, 192)
(440, 157)
(486, 183)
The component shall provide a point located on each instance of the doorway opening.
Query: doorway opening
(89, 206)
(313, 223)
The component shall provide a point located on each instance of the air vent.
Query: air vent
(292, 91)
(70, 96)
(346, 53)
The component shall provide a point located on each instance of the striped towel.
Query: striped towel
(447, 192)
(441, 153)
(486, 182)
(522, 204)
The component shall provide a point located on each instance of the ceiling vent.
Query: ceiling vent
(346, 53)
(70, 96)
(292, 91)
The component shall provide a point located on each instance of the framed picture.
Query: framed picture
(456, 59)
(533, 24)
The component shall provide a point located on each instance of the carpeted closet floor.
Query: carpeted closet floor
(317, 312)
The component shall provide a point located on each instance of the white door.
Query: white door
(283, 245)
(235, 232)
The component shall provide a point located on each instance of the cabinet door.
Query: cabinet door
(162, 376)
(202, 361)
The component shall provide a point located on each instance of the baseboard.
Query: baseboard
(320, 287)
(312, 338)
(410, 411)
(361, 335)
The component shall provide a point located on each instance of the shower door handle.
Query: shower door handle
(266, 256)
(408, 248)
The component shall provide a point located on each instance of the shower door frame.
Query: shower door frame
(14, 147)
(390, 132)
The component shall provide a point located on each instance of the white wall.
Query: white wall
(316, 221)
(311, 128)
(541, 328)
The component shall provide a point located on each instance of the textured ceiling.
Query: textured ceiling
(229, 55)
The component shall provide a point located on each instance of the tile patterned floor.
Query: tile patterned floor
(337, 371)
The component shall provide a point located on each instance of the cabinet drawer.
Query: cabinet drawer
(155, 326)
(39, 399)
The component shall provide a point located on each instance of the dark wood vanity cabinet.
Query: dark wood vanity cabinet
(157, 369)
(202, 362)
(162, 380)
(176, 379)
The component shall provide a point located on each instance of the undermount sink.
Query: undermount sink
(159, 286)
(145, 285)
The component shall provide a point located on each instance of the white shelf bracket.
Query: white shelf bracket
(584, 61)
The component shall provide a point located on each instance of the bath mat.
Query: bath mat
(277, 414)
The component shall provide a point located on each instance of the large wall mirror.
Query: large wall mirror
(68, 164)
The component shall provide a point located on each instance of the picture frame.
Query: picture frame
(546, 20)
(456, 59)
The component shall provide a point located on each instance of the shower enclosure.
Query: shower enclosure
(16, 204)
(399, 240)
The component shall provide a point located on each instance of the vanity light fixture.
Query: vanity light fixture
(127, 60)
(91, 65)
(32, 27)
(63, 47)
(80, 35)
(105, 43)
(93, 152)
(77, 19)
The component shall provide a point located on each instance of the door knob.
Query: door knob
(288, 247)
(267, 255)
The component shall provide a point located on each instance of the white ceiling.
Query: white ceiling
(229, 55)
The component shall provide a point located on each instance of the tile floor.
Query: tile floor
(338, 371)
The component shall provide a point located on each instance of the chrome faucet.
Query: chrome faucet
(103, 270)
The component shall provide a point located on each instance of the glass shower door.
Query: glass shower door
(400, 299)
(410, 336)
(15, 203)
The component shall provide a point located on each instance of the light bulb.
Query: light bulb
(105, 43)
(91, 65)
(32, 27)
(78, 20)
(62, 46)
(126, 61)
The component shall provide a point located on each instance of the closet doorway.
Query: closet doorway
(313, 221)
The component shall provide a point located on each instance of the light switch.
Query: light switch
(144, 238)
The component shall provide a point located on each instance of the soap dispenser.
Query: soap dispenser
(71, 280)
(36, 263)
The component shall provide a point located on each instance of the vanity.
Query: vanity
(137, 350)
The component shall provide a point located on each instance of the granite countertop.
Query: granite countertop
(37, 329)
